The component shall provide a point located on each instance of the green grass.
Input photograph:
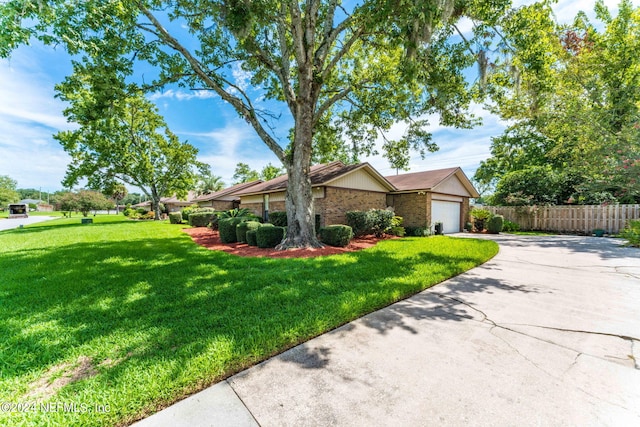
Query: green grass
(160, 317)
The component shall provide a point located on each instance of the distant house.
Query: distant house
(41, 205)
(224, 199)
(421, 198)
(172, 204)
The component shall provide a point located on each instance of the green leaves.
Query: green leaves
(579, 108)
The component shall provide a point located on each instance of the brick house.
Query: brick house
(424, 198)
(224, 199)
(337, 189)
(421, 198)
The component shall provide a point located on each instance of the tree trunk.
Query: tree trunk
(155, 204)
(301, 231)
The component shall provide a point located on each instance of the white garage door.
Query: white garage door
(448, 213)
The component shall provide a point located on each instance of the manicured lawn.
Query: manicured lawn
(142, 316)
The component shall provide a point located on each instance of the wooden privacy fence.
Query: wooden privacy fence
(573, 219)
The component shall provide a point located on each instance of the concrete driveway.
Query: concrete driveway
(546, 333)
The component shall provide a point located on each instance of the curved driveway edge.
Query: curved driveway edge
(545, 333)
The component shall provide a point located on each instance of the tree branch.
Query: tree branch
(246, 111)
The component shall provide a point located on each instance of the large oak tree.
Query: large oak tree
(345, 72)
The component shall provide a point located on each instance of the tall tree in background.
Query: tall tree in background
(270, 171)
(117, 191)
(344, 73)
(8, 193)
(128, 142)
(243, 173)
(575, 113)
(208, 184)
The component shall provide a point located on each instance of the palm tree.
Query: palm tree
(209, 184)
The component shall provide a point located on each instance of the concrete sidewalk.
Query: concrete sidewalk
(8, 224)
(546, 333)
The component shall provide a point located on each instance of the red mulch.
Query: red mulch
(210, 239)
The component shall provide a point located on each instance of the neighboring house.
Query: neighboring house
(224, 199)
(432, 196)
(421, 198)
(41, 205)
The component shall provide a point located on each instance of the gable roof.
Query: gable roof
(320, 175)
(226, 191)
(429, 180)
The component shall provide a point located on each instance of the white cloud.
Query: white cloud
(182, 95)
(29, 116)
(223, 148)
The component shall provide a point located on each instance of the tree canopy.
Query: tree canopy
(576, 114)
(128, 142)
(8, 193)
(344, 73)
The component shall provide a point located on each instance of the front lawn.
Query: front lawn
(111, 321)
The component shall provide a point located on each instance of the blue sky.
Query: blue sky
(30, 115)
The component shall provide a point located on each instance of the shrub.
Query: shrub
(269, 237)
(382, 221)
(632, 233)
(235, 213)
(480, 216)
(398, 231)
(336, 235)
(129, 212)
(175, 217)
(227, 228)
(360, 222)
(279, 219)
(187, 211)
(243, 227)
(148, 215)
(214, 222)
(251, 237)
(200, 219)
(373, 221)
(510, 226)
(495, 224)
(417, 231)
(397, 221)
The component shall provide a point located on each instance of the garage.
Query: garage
(448, 213)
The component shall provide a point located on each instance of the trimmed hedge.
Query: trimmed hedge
(251, 237)
(227, 228)
(279, 219)
(373, 221)
(495, 224)
(200, 219)
(175, 217)
(269, 237)
(417, 231)
(243, 227)
(336, 235)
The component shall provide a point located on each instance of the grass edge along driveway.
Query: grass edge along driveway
(103, 324)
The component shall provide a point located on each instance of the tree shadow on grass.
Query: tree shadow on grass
(161, 317)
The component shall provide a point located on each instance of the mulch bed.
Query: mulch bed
(210, 239)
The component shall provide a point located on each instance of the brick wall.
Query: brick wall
(222, 205)
(256, 208)
(464, 215)
(338, 201)
(412, 207)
